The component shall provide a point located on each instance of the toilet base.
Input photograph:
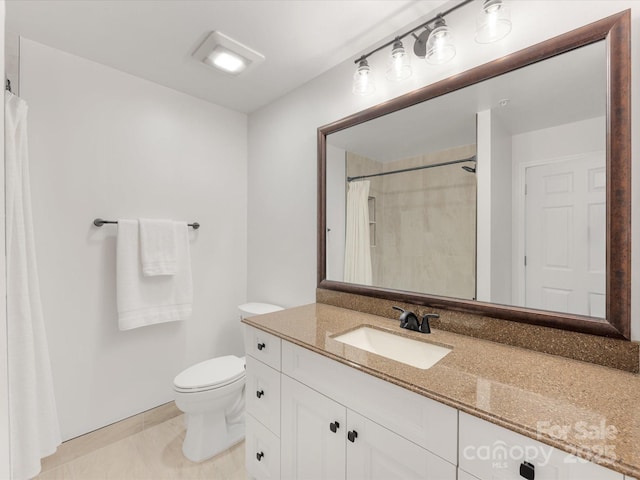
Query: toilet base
(209, 434)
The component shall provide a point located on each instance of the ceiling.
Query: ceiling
(154, 39)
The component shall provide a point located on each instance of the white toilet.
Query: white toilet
(211, 394)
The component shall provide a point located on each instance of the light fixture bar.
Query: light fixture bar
(400, 37)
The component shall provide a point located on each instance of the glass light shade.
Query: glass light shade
(493, 22)
(363, 80)
(440, 47)
(399, 67)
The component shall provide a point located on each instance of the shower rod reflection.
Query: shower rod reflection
(433, 165)
(98, 222)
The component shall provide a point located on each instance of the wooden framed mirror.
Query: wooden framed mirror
(614, 34)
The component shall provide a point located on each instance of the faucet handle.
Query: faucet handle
(424, 326)
(408, 319)
(403, 317)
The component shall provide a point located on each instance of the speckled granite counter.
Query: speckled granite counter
(588, 410)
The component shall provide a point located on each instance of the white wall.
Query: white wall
(282, 143)
(483, 222)
(336, 211)
(107, 144)
(493, 231)
(501, 213)
(5, 466)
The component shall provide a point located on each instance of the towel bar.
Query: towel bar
(98, 222)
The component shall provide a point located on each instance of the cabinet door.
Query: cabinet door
(310, 449)
(373, 452)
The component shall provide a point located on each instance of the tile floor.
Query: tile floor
(152, 454)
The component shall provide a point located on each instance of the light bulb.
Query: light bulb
(440, 47)
(363, 79)
(399, 67)
(493, 22)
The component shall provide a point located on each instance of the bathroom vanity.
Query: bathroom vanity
(321, 408)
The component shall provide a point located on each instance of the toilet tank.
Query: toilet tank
(251, 309)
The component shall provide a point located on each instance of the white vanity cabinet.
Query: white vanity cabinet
(310, 417)
(490, 452)
(322, 439)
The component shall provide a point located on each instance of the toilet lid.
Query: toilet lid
(211, 373)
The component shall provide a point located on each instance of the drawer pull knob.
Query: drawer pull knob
(334, 426)
(259, 456)
(527, 470)
(261, 346)
(352, 435)
(259, 393)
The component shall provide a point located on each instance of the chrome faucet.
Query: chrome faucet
(410, 321)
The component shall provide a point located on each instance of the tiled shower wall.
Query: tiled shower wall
(424, 235)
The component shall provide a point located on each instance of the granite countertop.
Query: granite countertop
(590, 411)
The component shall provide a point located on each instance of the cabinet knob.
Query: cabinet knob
(259, 456)
(259, 393)
(261, 346)
(334, 426)
(352, 435)
(527, 470)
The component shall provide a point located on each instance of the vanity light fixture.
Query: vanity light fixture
(493, 22)
(363, 83)
(440, 47)
(399, 67)
(226, 54)
(434, 44)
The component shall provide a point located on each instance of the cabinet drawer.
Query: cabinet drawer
(262, 450)
(490, 452)
(263, 346)
(263, 394)
(428, 423)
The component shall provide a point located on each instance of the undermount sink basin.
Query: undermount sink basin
(401, 349)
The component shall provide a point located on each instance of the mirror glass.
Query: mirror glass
(512, 209)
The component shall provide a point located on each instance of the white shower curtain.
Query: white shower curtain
(357, 253)
(33, 419)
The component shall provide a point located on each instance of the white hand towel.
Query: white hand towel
(158, 247)
(148, 300)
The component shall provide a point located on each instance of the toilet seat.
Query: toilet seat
(210, 374)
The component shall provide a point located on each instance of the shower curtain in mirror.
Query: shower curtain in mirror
(357, 252)
(33, 419)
